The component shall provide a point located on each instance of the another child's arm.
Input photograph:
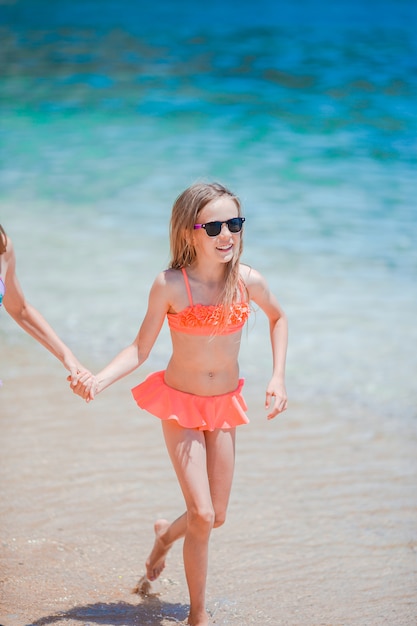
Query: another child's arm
(260, 293)
(131, 357)
(32, 321)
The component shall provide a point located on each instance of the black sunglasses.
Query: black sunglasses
(214, 228)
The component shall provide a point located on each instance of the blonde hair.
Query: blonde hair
(3, 240)
(185, 212)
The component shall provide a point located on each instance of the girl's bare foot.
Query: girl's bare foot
(198, 620)
(156, 560)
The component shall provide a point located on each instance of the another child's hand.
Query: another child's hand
(85, 387)
(75, 368)
(276, 398)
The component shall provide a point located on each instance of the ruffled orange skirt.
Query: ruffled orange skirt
(190, 411)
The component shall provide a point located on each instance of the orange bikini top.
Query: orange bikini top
(202, 319)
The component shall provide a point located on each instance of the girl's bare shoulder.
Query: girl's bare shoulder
(250, 276)
(169, 285)
(169, 279)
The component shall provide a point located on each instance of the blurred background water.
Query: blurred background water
(306, 110)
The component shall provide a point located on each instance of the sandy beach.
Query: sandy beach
(321, 528)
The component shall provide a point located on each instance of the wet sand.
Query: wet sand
(322, 527)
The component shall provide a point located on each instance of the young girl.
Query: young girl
(205, 296)
(24, 314)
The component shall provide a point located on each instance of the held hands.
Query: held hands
(75, 368)
(276, 398)
(84, 385)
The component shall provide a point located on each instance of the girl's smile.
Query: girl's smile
(225, 250)
(222, 245)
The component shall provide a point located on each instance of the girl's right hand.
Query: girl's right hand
(85, 386)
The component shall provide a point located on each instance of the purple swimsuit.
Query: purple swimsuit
(2, 290)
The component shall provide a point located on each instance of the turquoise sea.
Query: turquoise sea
(307, 111)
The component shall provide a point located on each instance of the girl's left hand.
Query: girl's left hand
(276, 398)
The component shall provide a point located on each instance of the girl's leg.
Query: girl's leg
(187, 449)
(166, 534)
(220, 446)
(220, 449)
(220, 456)
(204, 464)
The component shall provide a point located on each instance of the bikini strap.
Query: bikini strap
(187, 286)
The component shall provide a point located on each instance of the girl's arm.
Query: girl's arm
(260, 293)
(31, 320)
(131, 357)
